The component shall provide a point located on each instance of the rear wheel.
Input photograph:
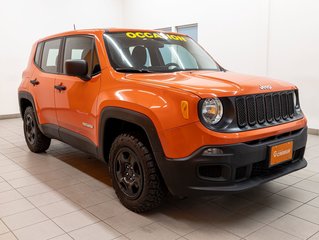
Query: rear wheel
(36, 140)
(136, 178)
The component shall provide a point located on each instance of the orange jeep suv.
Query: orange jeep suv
(161, 112)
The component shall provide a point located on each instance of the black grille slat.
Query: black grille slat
(276, 106)
(284, 105)
(251, 110)
(260, 107)
(291, 108)
(270, 108)
(241, 112)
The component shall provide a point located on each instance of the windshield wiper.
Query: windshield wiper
(132, 70)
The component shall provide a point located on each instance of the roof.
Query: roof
(102, 30)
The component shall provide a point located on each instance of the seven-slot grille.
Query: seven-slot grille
(265, 108)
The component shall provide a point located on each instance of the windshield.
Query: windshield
(156, 52)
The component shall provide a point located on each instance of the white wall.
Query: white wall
(23, 22)
(294, 50)
(276, 38)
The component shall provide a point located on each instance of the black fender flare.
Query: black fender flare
(130, 116)
(138, 119)
(29, 97)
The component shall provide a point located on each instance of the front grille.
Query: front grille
(269, 108)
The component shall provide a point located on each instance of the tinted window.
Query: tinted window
(156, 52)
(37, 54)
(50, 56)
(81, 48)
(96, 64)
(148, 58)
(168, 56)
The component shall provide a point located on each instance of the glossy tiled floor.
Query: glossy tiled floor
(65, 194)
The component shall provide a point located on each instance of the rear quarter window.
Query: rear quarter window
(37, 57)
(50, 56)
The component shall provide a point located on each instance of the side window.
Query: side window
(50, 56)
(37, 54)
(81, 48)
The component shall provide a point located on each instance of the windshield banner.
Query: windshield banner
(155, 35)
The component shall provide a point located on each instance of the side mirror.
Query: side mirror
(78, 68)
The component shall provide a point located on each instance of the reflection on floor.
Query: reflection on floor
(81, 161)
(66, 194)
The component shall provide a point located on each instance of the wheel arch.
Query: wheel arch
(25, 100)
(136, 120)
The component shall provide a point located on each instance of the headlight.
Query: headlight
(212, 110)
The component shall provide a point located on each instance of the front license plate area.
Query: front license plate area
(280, 153)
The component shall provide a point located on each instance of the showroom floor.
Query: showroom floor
(65, 194)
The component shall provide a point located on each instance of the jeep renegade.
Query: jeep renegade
(161, 112)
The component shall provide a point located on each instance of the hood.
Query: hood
(213, 84)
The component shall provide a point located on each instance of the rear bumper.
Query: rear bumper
(239, 167)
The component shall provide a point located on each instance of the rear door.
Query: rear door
(43, 78)
(76, 105)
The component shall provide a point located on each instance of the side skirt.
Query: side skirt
(69, 137)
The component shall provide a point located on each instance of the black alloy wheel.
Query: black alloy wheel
(136, 178)
(128, 172)
(30, 129)
(36, 140)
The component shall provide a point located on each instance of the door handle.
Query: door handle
(60, 87)
(34, 82)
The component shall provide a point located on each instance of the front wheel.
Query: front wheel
(136, 178)
(36, 140)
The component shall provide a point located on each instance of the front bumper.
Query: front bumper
(241, 166)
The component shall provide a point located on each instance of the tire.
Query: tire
(135, 176)
(36, 140)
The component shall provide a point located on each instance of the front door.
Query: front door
(76, 101)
